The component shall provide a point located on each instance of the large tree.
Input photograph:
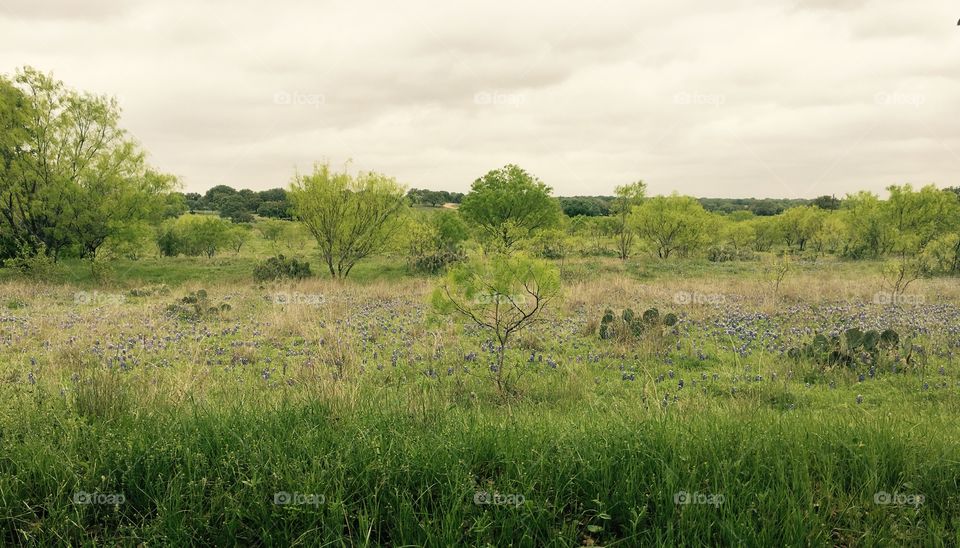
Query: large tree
(350, 217)
(70, 176)
(509, 204)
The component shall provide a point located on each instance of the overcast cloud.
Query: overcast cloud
(791, 98)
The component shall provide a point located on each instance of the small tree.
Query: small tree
(903, 271)
(350, 217)
(195, 235)
(800, 225)
(501, 294)
(673, 224)
(273, 231)
(775, 270)
(627, 197)
(237, 236)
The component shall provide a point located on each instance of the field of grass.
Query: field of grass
(347, 414)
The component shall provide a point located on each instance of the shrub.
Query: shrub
(36, 264)
(630, 327)
(720, 254)
(280, 267)
(196, 306)
(852, 348)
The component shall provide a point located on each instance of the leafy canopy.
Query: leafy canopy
(350, 217)
(509, 204)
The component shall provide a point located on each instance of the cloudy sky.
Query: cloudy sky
(785, 98)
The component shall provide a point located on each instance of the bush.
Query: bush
(194, 235)
(196, 306)
(437, 260)
(720, 254)
(280, 267)
(36, 264)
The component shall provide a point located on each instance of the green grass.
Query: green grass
(206, 473)
(227, 268)
(203, 423)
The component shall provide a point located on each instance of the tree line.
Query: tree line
(73, 183)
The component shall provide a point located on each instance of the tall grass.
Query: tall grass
(391, 474)
(202, 426)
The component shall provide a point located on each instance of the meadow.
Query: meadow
(177, 402)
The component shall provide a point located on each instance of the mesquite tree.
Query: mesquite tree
(501, 294)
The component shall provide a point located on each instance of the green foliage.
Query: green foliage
(501, 294)
(280, 268)
(587, 206)
(195, 235)
(761, 207)
(799, 225)
(827, 202)
(944, 253)
(629, 327)
(721, 253)
(673, 224)
(33, 263)
(174, 205)
(433, 198)
(627, 198)
(552, 243)
(508, 205)
(236, 208)
(855, 347)
(733, 239)
(871, 235)
(72, 178)
(277, 210)
(197, 306)
(350, 217)
(434, 242)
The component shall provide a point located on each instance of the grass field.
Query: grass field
(347, 414)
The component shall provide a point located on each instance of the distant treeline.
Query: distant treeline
(599, 206)
(241, 205)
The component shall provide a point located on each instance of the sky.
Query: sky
(772, 98)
